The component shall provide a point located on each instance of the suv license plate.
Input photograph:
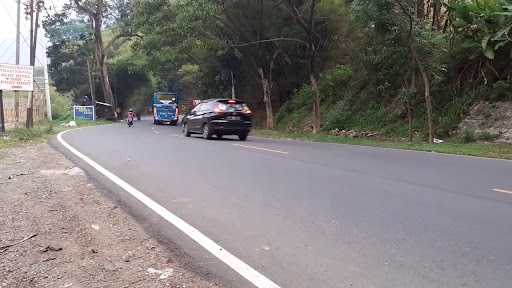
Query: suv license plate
(233, 118)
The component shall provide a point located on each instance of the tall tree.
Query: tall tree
(33, 9)
(246, 29)
(261, 29)
(95, 11)
(409, 10)
(70, 47)
(305, 15)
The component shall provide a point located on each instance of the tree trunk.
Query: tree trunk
(267, 99)
(412, 88)
(428, 102)
(312, 43)
(409, 120)
(436, 15)
(420, 9)
(312, 67)
(316, 103)
(91, 82)
(101, 60)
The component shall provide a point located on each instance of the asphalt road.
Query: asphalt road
(324, 215)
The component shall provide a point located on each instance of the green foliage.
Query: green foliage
(468, 136)
(130, 80)
(502, 151)
(70, 46)
(22, 134)
(501, 91)
(484, 24)
(296, 113)
(487, 136)
(451, 114)
(334, 84)
(370, 55)
(340, 116)
(61, 105)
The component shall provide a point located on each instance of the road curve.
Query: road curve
(324, 215)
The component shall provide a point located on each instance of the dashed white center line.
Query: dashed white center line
(261, 148)
(503, 191)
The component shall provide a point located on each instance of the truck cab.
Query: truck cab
(165, 108)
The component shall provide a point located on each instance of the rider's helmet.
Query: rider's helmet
(131, 110)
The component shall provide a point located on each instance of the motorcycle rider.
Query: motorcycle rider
(131, 116)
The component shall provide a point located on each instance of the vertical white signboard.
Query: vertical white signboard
(16, 77)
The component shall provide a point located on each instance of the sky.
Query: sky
(8, 33)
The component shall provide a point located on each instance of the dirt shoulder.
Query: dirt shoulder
(65, 233)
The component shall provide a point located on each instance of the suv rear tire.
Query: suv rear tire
(207, 132)
(186, 132)
(243, 136)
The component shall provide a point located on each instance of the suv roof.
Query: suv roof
(221, 99)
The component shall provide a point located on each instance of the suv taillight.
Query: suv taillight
(220, 108)
(246, 110)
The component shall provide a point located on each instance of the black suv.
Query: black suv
(219, 117)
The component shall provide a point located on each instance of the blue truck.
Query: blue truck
(165, 108)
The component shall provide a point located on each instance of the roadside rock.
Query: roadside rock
(353, 133)
(493, 119)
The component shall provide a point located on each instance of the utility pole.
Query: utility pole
(35, 7)
(47, 93)
(30, 120)
(233, 94)
(16, 93)
(2, 119)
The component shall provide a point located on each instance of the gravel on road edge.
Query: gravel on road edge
(58, 230)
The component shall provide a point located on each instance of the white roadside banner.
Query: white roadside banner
(16, 77)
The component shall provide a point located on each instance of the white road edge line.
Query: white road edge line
(246, 271)
(502, 191)
(260, 148)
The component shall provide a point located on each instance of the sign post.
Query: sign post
(2, 116)
(84, 113)
(14, 78)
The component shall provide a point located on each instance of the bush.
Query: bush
(296, 112)
(339, 117)
(487, 136)
(334, 85)
(501, 91)
(23, 134)
(468, 136)
(61, 105)
(451, 114)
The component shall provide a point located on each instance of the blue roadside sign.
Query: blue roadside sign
(84, 113)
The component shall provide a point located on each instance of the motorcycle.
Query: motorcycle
(130, 118)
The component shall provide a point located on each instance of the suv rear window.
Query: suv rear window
(237, 104)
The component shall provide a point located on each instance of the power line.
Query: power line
(21, 33)
(3, 41)
(54, 6)
(6, 50)
(8, 13)
(24, 40)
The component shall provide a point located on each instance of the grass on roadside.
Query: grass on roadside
(489, 150)
(41, 132)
